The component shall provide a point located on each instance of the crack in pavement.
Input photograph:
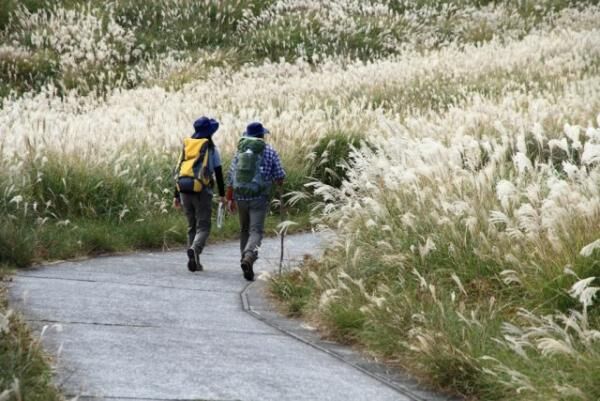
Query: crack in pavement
(94, 398)
(164, 287)
(141, 326)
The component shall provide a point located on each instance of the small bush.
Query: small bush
(347, 320)
(293, 290)
(17, 242)
(6, 7)
(330, 157)
(26, 72)
(79, 190)
(22, 365)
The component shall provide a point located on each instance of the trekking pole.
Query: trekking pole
(282, 231)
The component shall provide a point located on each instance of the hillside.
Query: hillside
(452, 147)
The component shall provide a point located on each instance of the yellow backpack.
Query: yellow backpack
(192, 170)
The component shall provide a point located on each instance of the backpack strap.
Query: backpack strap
(179, 162)
(201, 163)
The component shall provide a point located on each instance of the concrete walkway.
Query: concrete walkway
(142, 327)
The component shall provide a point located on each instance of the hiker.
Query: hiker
(198, 164)
(254, 169)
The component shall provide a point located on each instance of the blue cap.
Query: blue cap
(255, 129)
(204, 127)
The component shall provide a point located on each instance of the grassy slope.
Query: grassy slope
(228, 34)
(23, 366)
(24, 241)
(451, 361)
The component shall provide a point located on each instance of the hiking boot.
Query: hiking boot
(199, 266)
(247, 263)
(192, 260)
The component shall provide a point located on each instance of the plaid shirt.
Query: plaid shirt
(271, 170)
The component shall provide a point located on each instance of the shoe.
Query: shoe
(199, 266)
(246, 264)
(192, 265)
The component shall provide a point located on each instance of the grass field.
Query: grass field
(451, 146)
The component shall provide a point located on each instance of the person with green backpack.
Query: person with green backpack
(198, 164)
(254, 169)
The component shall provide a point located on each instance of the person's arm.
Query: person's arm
(176, 195)
(229, 198)
(219, 173)
(220, 181)
(176, 199)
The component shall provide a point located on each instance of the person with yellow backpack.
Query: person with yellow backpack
(198, 166)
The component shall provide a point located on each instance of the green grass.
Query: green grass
(466, 327)
(24, 243)
(23, 365)
(293, 290)
(331, 156)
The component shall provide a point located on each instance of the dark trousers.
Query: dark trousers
(252, 225)
(198, 208)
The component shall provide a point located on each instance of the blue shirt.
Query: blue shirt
(214, 159)
(270, 166)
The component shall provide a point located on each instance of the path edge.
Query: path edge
(256, 304)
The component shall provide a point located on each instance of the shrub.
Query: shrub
(17, 242)
(292, 289)
(330, 157)
(24, 71)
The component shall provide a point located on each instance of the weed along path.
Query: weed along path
(141, 327)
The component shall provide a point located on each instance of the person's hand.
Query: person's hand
(177, 203)
(229, 202)
(231, 206)
(222, 200)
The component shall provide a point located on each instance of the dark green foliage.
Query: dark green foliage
(331, 157)
(293, 290)
(28, 73)
(541, 152)
(6, 7)
(21, 358)
(190, 26)
(347, 319)
(17, 242)
(77, 190)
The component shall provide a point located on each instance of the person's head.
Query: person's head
(256, 130)
(205, 127)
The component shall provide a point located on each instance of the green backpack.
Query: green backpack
(248, 179)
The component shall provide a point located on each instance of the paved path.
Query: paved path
(141, 327)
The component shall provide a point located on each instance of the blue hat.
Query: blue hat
(255, 129)
(204, 127)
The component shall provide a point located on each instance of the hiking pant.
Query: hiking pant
(198, 208)
(252, 225)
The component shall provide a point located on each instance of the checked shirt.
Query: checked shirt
(270, 166)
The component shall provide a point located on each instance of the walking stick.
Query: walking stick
(282, 231)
